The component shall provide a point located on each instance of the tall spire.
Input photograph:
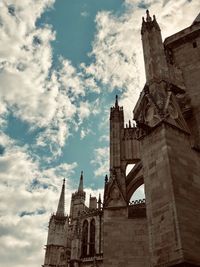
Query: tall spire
(99, 201)
(80, 188)
(61, 203)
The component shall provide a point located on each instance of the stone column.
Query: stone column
(172, 188)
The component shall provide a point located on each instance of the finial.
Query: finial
(154, 17)
(106, 178)
(116, 101)
(129, 123)
(99, 201)
(148, 19)
(143, 19)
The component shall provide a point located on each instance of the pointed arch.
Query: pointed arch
(84, 238)
(92, 237)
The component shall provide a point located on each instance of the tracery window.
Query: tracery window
(84, 238)
(92, 238)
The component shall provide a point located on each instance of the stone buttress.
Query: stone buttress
(171, 163)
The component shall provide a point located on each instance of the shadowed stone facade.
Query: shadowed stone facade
(164, 229)
(77, 239)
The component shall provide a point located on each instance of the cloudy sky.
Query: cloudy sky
(61, 64)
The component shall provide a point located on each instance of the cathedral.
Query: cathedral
(164, 228)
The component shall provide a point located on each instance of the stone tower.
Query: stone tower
(56, 248)
(78, 200)
(77, 207)
(75, 241)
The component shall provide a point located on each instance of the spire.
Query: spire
(106, 179)
(61, 203)
(99, 201)
(148, 24)
(148, 18)
(80, 188)
(117, 111)
(153, 49)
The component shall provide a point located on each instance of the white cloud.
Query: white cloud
(84, 132)
(104, 137)
(101, 161)
(117, 52)
(84, 110)
(30, 87)
(28, 195)
(93, 193)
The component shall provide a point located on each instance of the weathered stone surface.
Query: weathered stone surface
(171, 196)
(125, 240)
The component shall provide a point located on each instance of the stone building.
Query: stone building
(164, 147)
(76, 240)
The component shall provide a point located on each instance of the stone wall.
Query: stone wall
(172, 186)
(185, 47)
(125, 240)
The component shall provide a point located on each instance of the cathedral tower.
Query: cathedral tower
(56, 248)
(78, 200)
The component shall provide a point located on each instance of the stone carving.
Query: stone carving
(158, 105)
(115, 195)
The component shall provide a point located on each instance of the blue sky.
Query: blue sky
(61, 65)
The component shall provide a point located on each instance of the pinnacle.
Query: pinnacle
(116, 101)
(148, 18)
(61, 203)
(80, 188)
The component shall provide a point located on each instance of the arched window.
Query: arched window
(92, 237)
(84, 238)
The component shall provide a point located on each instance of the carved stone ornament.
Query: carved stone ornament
(156, 105)
(173, 112)
(115, 194)
(150, 115)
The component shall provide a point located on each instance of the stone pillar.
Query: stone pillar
(172, 188)
(116, 127)
(154, 56)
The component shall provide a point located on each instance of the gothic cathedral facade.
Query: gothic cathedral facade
(164, 146)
